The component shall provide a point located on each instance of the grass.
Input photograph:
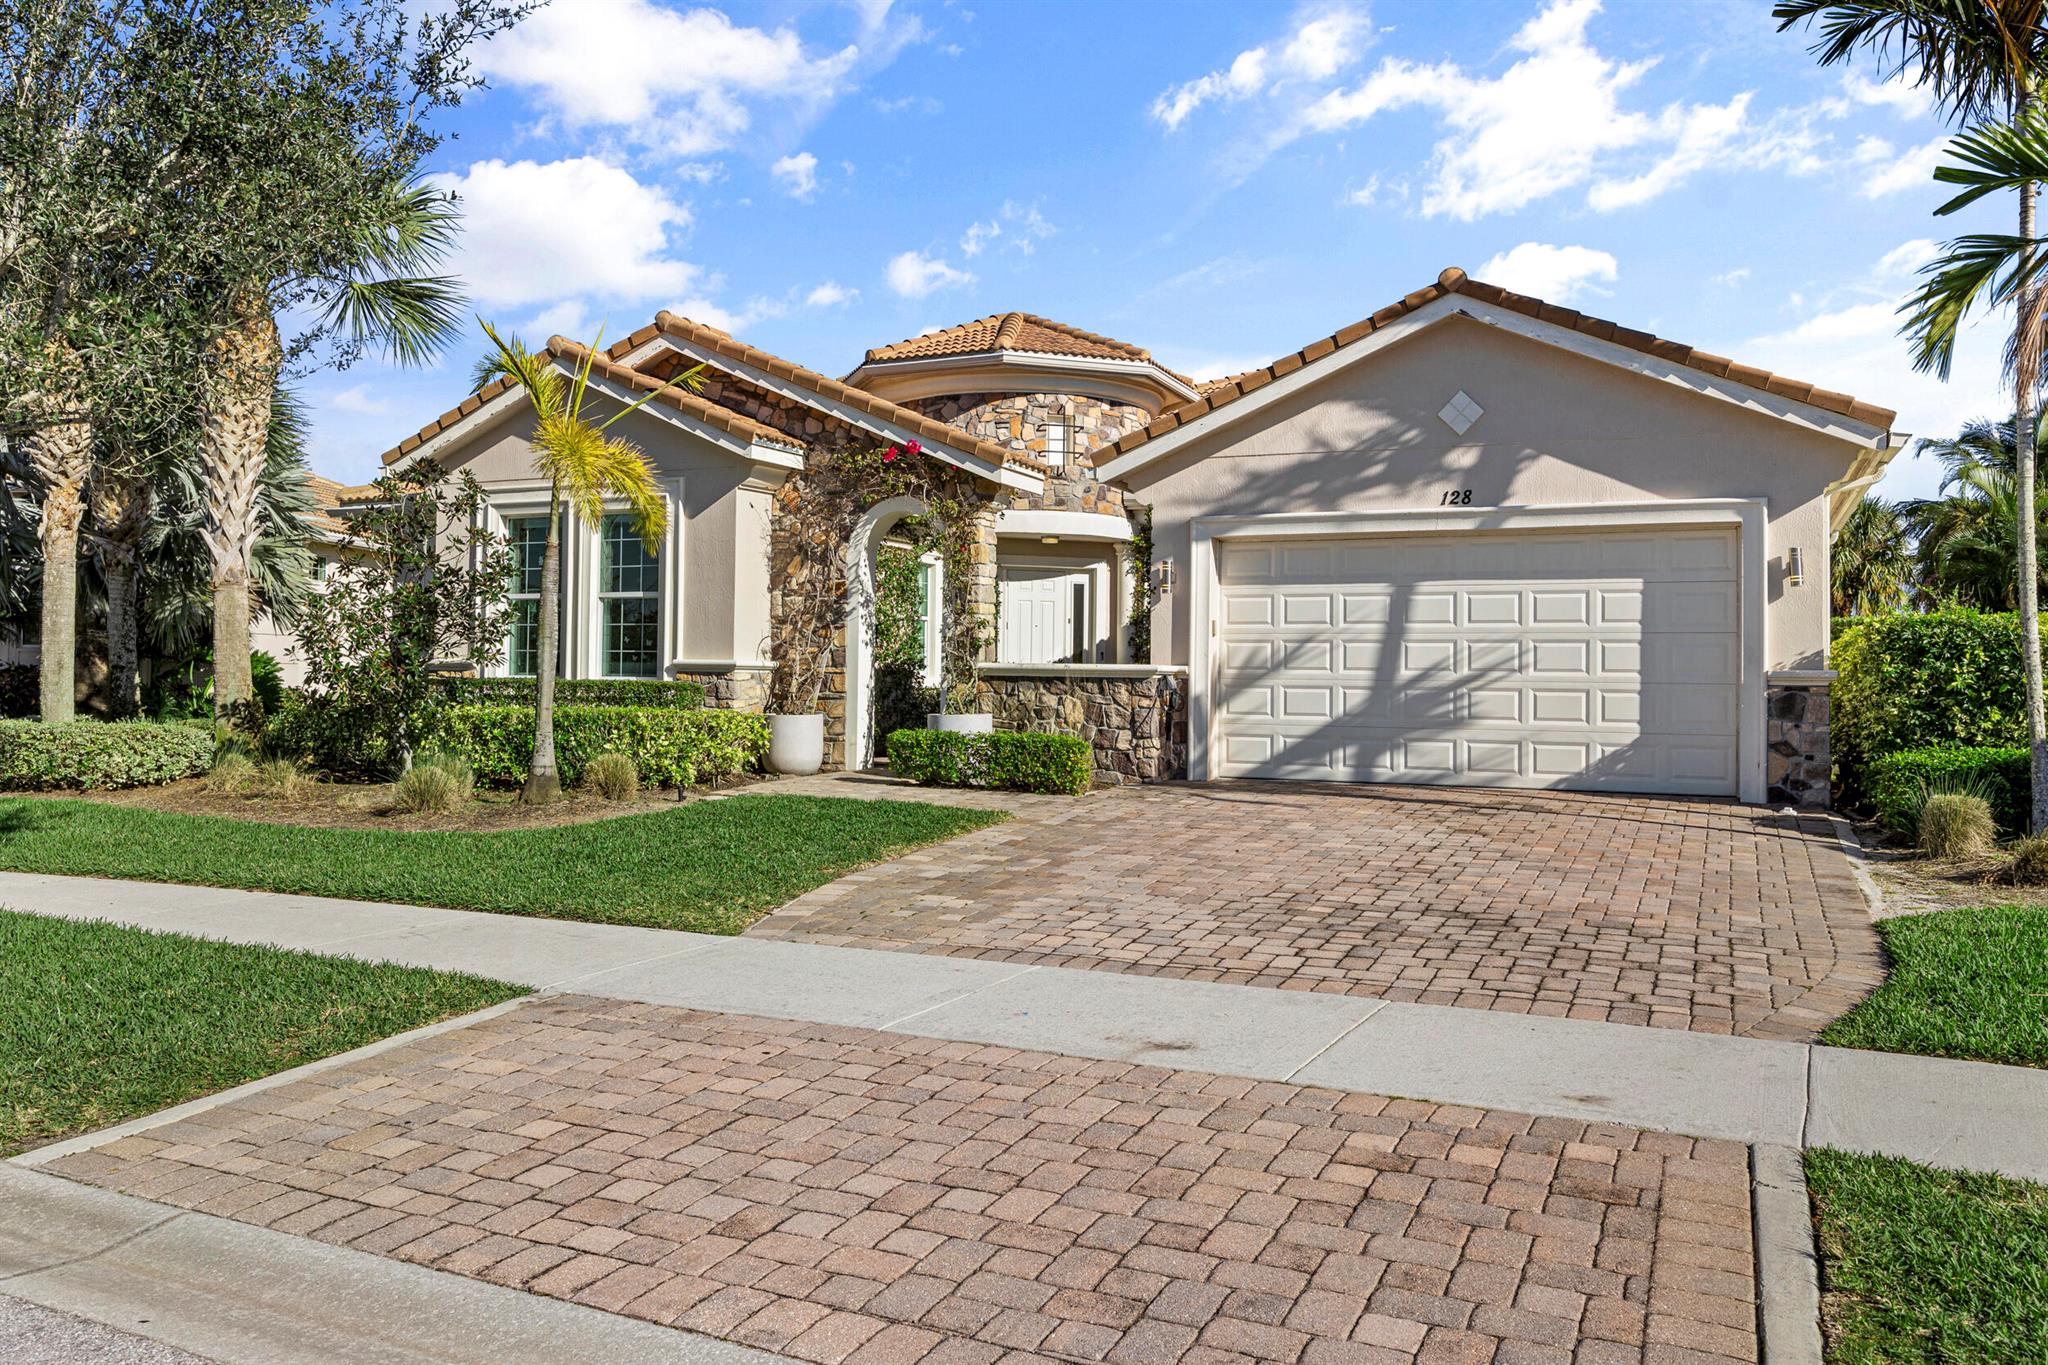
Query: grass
(1920, 1265)
(1964, 983)
(710, 866)
(101, 1023)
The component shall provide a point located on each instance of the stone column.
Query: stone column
(1797, 762)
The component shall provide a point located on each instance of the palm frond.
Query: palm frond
(1982, 269)
(1995, 157)
(413, 317)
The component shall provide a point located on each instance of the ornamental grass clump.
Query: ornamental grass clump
(614, 777)
(436, 783)
(2029, 861)
(232, 773)
(1955, 825)
(283, 780)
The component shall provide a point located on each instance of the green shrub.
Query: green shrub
(429, 789)
(312, 729)
(283, 779)
(100, 755)
(1898, 783)
(21, 691)
(613, 777)
(670, 747)
(232, 772)
(683, 696)
(1948, 678)
(1953, 825)
(1008, 760)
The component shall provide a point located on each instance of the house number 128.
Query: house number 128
(1456, 497)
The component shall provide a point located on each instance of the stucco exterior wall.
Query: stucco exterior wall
(1557, 429)
(715, 608)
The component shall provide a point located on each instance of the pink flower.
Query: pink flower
(913, 447)
(889, 454)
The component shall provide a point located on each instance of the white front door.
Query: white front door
(1592, 660)
(1043, 616)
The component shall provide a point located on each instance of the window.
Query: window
(929, 612)
(629, 590)
(527, 539)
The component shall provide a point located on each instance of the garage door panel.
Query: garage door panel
(1595, 661)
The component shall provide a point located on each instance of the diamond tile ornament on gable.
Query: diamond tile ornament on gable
(1461, 412)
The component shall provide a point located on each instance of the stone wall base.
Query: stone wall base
(731, 689)
(1136, 725)
(1797, 762)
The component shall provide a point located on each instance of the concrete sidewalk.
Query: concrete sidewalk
(1956, 1114)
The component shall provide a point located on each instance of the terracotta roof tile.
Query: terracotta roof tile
(1222, 392)
(1009, 332)
(895, 414)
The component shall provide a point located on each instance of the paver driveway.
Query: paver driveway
(840, 1194)
(1703, 915)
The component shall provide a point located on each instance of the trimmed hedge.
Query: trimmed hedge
(671, 747)
(1896, 782)
(97, 755)
(1008, 760)
(1945, 679)
(685, 696)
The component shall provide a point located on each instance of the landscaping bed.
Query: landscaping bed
(100, 1023)
(1921, 1265)
(709, 866)
(1970, 983)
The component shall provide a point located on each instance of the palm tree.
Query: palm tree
(1872, 561)
(583, 467)
(1983, 59)
(58, 456)
(1967, 539)
(372, 284)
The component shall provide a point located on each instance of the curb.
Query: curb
(1858, 854)
(84, 1142)
(1787, 1262)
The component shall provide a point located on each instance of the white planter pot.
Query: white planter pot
(961, 723)
(796, 744)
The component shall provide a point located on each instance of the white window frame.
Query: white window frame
(604, 597)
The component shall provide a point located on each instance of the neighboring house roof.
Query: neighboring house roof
(327, 496)
(1009, 332)
(1219, 394)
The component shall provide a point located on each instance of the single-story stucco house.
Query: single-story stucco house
(1474, 538)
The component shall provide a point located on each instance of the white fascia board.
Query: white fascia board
(1005, 474)
(1132, 370)
(1014, 521)
(1806, 415)
(501, 406)
(754, 449)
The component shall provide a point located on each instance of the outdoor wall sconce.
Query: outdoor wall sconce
(1162, 576)
(1048, 540)
(1795, 567)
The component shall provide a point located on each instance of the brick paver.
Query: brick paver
(1702, 915)
(846, 1195)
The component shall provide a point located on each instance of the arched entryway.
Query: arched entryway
(861, 549)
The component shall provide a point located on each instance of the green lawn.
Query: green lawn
(1920, 1265)
(101, 1023)
(1964, 983)
(711, 866)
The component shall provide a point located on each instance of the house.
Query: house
(1474, 538)
(327, 541)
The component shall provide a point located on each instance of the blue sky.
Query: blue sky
(1218, 182)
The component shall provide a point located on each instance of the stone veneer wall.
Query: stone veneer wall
(1798, 764)
(1017, 421)
(1136, 725)
(735, 689)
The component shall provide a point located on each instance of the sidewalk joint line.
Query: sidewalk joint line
(556, 986)
(1346, 1032)
(124, 1240)
(989, 986)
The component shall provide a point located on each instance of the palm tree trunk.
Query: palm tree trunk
(236, 388)
(62, 456)
(543, 782)
(121, 505)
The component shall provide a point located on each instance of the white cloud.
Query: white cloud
(1555, 274)
(1857, 322)
(798, 174)
(914, 274)
(1911, 170)
(1907, 257)
(674, 79)
(1901, 96)
(1320, 44)
(830, 294)
(1728, 279)
(569, 318)
(978, 236)
(1365, 194)
(358, 399)
(519, 247)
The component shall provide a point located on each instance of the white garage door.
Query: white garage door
(1605, 661)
